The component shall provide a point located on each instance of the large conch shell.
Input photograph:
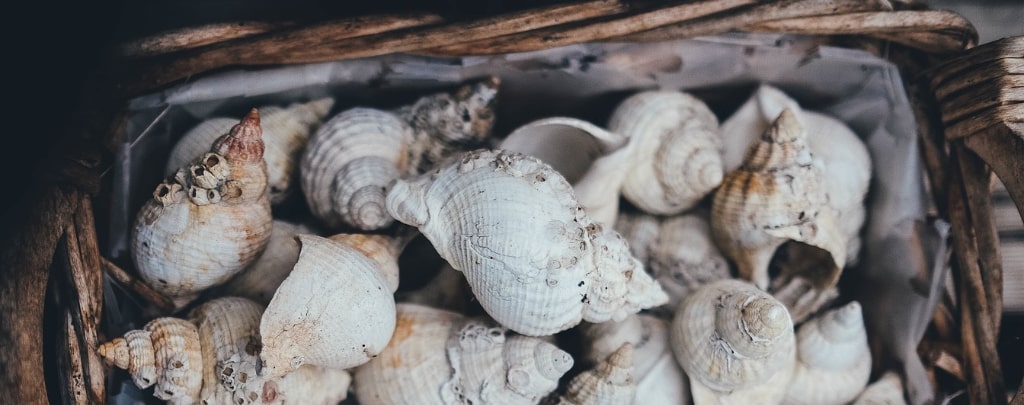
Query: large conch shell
(735, 342)
(678, 251)
(775, 196)
(334, 310)
(659, 378)
(260, 280)
(164, 353)
(833, 358)
(285, 132)
(210, 220)
(440, 357)
(888, 390)
(533, 258)
(842, 156)
(610, 382)
(589, 157)
(676, 150)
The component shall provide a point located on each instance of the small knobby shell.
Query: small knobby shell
(734, 341)
(775, 196)
(208, 221)
(285, 132)
(610, 382)
(833, 358)
(888, 390)
(675, 147)
(164, 353)
(440, 357)
(260, 280)
(532, 256)
(334, 310)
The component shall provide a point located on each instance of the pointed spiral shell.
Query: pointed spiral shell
(533, 258)
(833, 358)
(610, 382)
(164, 353)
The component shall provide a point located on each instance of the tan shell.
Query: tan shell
(334, 310)
(533, 258)
(440, 357)
(775, 196)
(166, 353)
(610, 382)
(588, 156)
(349, 162)
(382, 249)
(732, 339)
(842, 156)
(230, 341)
(209, 221)
(887, 390)
(285, 132)
(833, 358)
(308, 385)
(676, 150)
(260, 280)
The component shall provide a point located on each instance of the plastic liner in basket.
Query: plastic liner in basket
(901, 268)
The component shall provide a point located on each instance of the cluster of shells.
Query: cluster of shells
(583, 263)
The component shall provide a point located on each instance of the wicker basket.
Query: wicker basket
(967, 103)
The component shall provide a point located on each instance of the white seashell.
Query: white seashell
(308, 385)
(842, 156)
(230, 342)
(260, 280)
(610, 382)
(888, 390)
(775, 196)
(334, 310)
(735, 342)
(533, 258)
(833, 358)
(675, 147)
(440, 357)
(285, 132)
(183, 243)
(382, 249)
(165, 353)
(589, 157)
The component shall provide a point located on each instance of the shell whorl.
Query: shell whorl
(229, 338)
(530, 253)
(166, 353)
(610, 382)
(833, 358)
(676, 150)
(730, 335)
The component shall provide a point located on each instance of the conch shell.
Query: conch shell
(285, 132)
(611, 382)
(775, 196)
(678, 251)
(533, 258)
(833, 358)
(735, 342)
(676, 150)
(210, 220)
(440, 357)
(888, 390)
(260, 280)
(841, 155)
(334, 310)
(166, 353)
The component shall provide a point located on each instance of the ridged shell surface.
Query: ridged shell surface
(676, 150)
(165, 353)
(334, 310)
(382, 249)
(308, 385)
(533, 258)
(260, 280)
(210, 220)
(229, 338)
(610, 382)
(833, 358)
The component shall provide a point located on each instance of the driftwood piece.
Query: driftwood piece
(193, 37)
(153, 297)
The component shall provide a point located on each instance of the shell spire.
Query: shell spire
(610, 382)
(244, 143)
(165, 353)
(833, 358)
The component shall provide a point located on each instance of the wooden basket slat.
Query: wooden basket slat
(194, 37)
(978, 73)
(85, 297)
(994, 93)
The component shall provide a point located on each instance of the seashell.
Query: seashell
(285, 132)
(775, 196)
(533, 258)
(735, 342)
(840, 154)
(308, 385)
(888, 390)
(382, 249)
(680, 251)
(210, 220)
(833, 358)
(610, 382)
(659, 378)
(589, 157)
(230, 342)
(804, 281)
(164, 353)
(449, 123)
(349, 162)
(676, 150)
(481, 363)
(334, 310)
(260, 280)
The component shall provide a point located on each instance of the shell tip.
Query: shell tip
(622, 357)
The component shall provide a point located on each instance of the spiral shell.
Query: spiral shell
(833, 358)
(611, 382)
(334, 310)
(166, 353)
(440, 357)
(676, 150)
(210, 220)
(888, 390)
(260, 280)
(774, 197)
(532, 257)
(228, 336)
(449, 123)
(285, 132)
(733, 339)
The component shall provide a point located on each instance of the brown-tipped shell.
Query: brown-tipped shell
(610, 382)
(166, 353)
(833, 358)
